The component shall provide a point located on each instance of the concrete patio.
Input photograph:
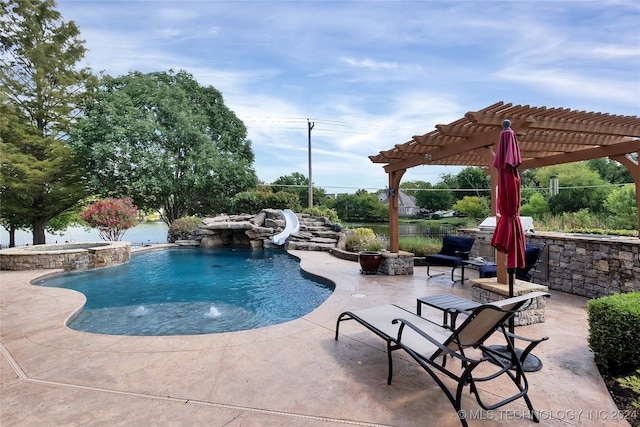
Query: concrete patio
(293, 374)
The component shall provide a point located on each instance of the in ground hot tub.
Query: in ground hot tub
(68, 256)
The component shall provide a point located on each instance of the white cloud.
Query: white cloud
(371, 64)
(573, 84)
(370, 74)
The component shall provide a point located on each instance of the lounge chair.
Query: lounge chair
(454, 250)
(430, 344)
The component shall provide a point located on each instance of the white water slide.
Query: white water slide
(291, 225)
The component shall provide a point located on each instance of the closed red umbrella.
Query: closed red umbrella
(508, 236)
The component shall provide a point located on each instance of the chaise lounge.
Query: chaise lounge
(430, 344)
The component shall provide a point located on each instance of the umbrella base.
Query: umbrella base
(530, 364)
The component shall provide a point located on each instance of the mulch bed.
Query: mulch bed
(623, 398)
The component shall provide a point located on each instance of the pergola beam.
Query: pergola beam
(547, 136)
(619, 149)
(607, 127)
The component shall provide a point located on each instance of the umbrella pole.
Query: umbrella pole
(531, 363)
(512, 320)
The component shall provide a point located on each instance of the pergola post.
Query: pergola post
(501, 258)
(394, 226)
(634, 168)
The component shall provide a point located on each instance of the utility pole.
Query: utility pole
(310, 126)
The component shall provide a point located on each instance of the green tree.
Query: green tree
(536, 207)
(435, 197)
(297, 183)
(40, 90)
(166, 142)
(610, 170)
(474, 179)
(473, 207)
(621, 204)
(580, 187)
(412, 188)
(361, 206)
(449, 180)
(528, 178)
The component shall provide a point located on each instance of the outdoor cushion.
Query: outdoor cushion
(531, 254)
(454, 246)
(446, 260)
(531, 257)
(486, 271)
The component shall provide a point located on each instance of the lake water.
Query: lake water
(156, 232)
(407, 229)
(144, 233)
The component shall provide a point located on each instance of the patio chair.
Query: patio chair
(532, 255)
(454, 250)
(430, 344)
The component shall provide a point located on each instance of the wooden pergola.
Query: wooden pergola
(547, 136)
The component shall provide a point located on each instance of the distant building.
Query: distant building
(335, 195)
(406, 204)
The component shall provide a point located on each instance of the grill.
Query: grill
(485, 233)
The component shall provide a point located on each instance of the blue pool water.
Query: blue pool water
(190, 291)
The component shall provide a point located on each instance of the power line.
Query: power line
(541, 189)
(327, 122)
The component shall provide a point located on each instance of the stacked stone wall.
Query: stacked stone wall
(396, 264)
(70, 256)
(591, 266)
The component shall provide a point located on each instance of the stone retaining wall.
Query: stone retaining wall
(489, 290)
(392, 264)
(591, 266)
(67, 256)
(396, 264)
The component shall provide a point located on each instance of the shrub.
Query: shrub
(579, 222)
(632, 382)
(363, 239)
(614, 332)
(328, 213)
(420, 246)
(183, 228)
(112, 217)
(255, 201)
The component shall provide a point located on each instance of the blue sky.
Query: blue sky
(371, 74)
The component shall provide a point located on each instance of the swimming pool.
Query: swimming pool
(189, 291)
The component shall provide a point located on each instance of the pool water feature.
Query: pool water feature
(189, 291)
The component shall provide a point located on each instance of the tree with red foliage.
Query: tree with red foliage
(112, 217)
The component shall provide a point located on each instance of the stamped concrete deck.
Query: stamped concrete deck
(294, 374)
